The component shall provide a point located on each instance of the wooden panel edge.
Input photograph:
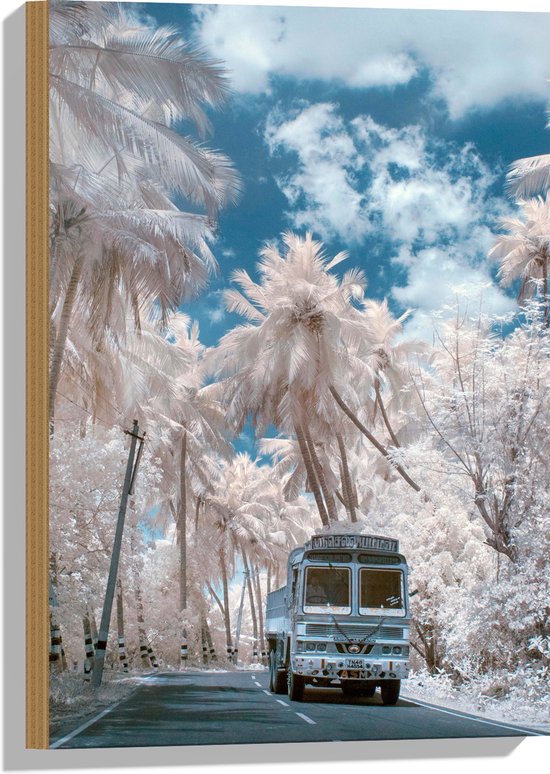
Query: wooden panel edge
(37, 141)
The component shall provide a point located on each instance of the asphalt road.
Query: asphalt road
(207, 708)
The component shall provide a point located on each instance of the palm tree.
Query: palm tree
(279, 366)
(117, 89)
(190, 430)
(524, 253)
(301, 348)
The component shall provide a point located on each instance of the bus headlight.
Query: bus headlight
(398, 650)
(309, 647)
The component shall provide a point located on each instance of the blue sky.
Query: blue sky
(386, 132)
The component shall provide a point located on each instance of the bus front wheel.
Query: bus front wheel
(390, 691)
(296, 685)
(277, 677)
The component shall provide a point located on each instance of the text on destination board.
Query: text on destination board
(355, 541)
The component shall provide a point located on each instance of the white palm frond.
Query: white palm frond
(529, 176)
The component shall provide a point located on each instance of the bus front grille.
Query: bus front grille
(354, 631)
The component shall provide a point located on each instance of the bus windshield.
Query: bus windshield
(381, 590)
(327, 589)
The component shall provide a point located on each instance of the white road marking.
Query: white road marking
(268, 693)
(464, 716)
(84, 726)
(305, 717)
(282, 702)
(258, 684)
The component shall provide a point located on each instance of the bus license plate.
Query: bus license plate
(354, 663)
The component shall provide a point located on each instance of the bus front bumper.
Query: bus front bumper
(340, 668)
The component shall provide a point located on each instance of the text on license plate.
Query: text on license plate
(354, 663)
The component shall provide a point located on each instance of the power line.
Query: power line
(84, 387)
(144, 441)
(82, 408)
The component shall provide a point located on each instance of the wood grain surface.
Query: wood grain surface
(37, 647)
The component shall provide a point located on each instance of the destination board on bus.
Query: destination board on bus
(373, 542)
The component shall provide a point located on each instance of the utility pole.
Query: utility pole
(239, 621)
(101, 646)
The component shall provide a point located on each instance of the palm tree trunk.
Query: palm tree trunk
(144, 655)
(56, 661)
(198, 503)
(259, 600)
(210, 642)
(320, 473)
(346, 479)
(89, 651)
(58, 351)
(56, 655)
(226, 616)
(247, 570)
(182, 531)
(268, 581)
(142, 634)
(120, 627)
(182, 523)
(93, 627)
(311, 475)
(377, 445)
(204, 641)
(384, 414)
(545, 288)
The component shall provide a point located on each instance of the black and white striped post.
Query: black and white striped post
(183, 649)
(211, 648)
(89, 650)
(122, 654)
(152, 657)
(55, 643)
(120, 626)
(143, 652)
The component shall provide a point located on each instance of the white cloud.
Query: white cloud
(322, 189)
(440, 278)
(214, 307)
(429, 199)
(216, 315)
(349, 176)
(475, 59)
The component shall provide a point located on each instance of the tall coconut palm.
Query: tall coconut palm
(303, 341)
(190, 431)
(524, 253)
(117, 89)
(279, 365)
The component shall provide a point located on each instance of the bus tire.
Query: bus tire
(390, 691)
(272, 671)
(296, 685)
(277, 677)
